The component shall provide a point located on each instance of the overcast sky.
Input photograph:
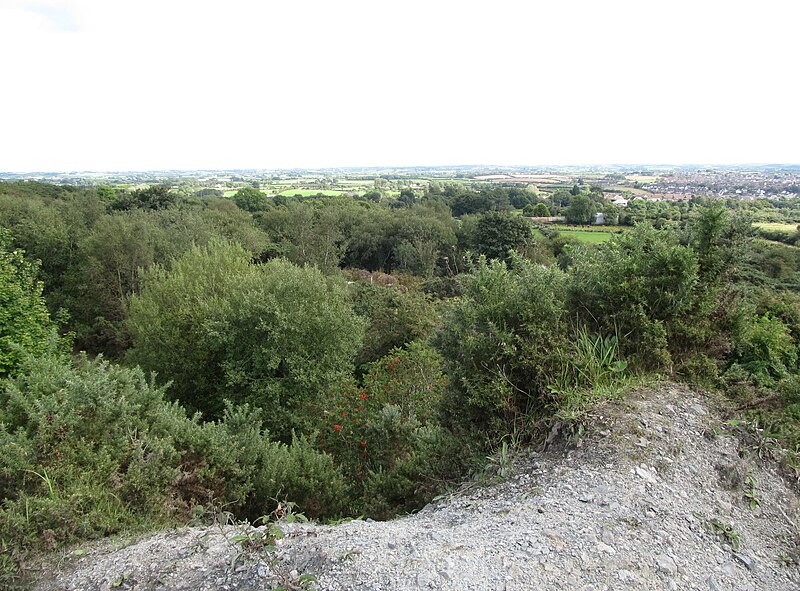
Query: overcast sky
(163, 84)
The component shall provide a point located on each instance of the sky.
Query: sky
(115, 85)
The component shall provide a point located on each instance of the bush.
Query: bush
(766, 350)
(25, 326)
(385, 434)
(395, 317)
(276, 336)
(641, 285)
(90, 449)
(500, 344)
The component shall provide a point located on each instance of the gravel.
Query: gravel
(652, 498)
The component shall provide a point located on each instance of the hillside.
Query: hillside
(660, 494)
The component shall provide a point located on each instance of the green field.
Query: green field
(777, 227)
(311, 192)
(644, 179)
(624, 188)
(590, 236)
(584, 235)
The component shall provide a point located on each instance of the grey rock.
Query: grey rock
(666, 565)
(747, 561)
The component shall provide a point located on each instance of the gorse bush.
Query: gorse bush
(642, 285)
(499, 344)
(386, 436)
(91, 449)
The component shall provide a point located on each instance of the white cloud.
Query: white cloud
(172, 84)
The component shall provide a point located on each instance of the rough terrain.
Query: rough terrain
(659, 495)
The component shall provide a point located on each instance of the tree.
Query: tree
(471, 202)
(154, 197)
(581, 210)
(541, 211)
(106, 193)
(498, 233)
(25, 325)
(407, 197)
(276, 336)
(520, 197)
(208, 193)
(611, 214)
(250, 199)
(373, 195)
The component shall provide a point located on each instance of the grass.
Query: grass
(626, 188)
(641, 178)
(590, 236)
(777, 227)
(311, 192)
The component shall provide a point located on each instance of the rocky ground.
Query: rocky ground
(661, 494)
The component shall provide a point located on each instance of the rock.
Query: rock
(424, 579)
(605, 548)
(666, 565)
(747, 561)
(645, 474)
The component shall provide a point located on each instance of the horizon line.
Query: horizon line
(391, 166)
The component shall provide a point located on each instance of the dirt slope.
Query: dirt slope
(657, 497)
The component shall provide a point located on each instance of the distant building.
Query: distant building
(599, 219)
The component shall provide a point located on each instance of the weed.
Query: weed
(259, 539)
(342, 520)
(596, 357)
(751, 492)
(47, 480)
(118, 582)
(725, 532)
(303, 582)
(501, 463)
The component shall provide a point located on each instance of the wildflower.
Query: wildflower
(363, 396)
(337, 427)
(363, 444)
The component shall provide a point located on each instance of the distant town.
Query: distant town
(619, 183)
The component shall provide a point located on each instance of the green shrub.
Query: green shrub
(92, 449)
(385, 434)
(276, 336)
(395, 318)
(500, 344)
(25, 326)
(642, 285)
(766, 350)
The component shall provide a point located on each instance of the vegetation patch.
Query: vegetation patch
(352, 355)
